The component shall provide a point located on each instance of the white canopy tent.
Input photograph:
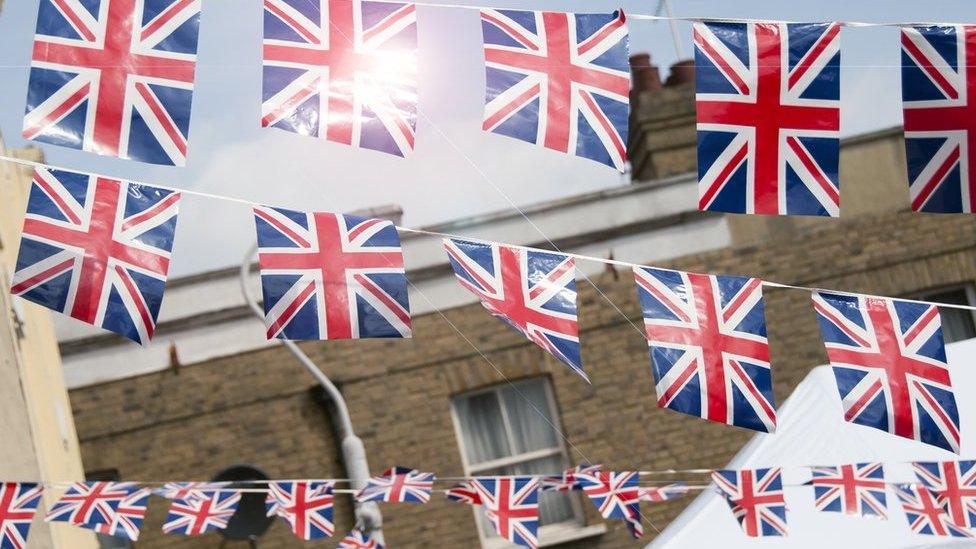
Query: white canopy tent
(811, 431)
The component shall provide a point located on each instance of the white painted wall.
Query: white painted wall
(811, 431)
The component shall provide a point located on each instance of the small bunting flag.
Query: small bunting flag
(199, 515)
(398, 485)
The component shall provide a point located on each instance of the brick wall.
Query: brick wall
(258, 409)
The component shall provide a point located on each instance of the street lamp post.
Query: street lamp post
(368, 515)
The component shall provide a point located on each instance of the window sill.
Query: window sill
(553, 535)
(563, 534)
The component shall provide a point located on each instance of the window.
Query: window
(957, 324)
(511, 430)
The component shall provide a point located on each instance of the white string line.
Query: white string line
(484, 176)
(649, 17)
(522, 213)
(843, 66)
(582, 257)
(524, 216)
(641, 516)
(690, 19)
(68, 484)
(541, 476)
(485, 357)
(213, 485)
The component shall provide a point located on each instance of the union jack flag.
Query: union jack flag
(890, 366)
(342, 70)
(97, 249)
(560, 80)
(756, 499)
(533, 292)
(188, 490)
(305, 506)
(768, 102)
(569, 480)
(398, 485)
(616, 495)
(657, 494)
(853, 489)
(938, 87)
(954, 483)
(464, 492)
(114, 77)
(925, 513)
(18, 504)
(512, 506)
(196, 516)
(356, 539)
(127, 518)
(708, 346)
(331, 276)
(89, 504)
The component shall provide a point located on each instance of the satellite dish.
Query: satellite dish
(250, 521)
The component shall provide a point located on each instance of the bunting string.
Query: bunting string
(582, 257)
(853, 489)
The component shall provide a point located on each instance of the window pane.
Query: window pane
(528, 414)
(553, 506)
(482, 428)
(957, 324)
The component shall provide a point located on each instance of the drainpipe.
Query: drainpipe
(368, 516)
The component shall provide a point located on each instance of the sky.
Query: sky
(457, 170)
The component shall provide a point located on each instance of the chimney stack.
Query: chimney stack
(645, 76)
(682, 72)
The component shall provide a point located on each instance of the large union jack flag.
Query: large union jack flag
(126, 520)
(890, 366)
(18, 504)
(512, 506)
(938, 86)
(331, 276)
(560, 80)
(925, 513)
(114, 77)
(97, 249)
(954, 483)
(569, 480)
(199, 515)
(305, 506)
(534, 292)
(852, 489)
(342, 70)
(398, 485)
(768, 102)
(89, 504)
(708, 346)
(616, 495)
(657, 494)
(356, 539)
(756, 499)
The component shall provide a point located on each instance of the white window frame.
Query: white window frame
(968, 287)
(550, 534)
